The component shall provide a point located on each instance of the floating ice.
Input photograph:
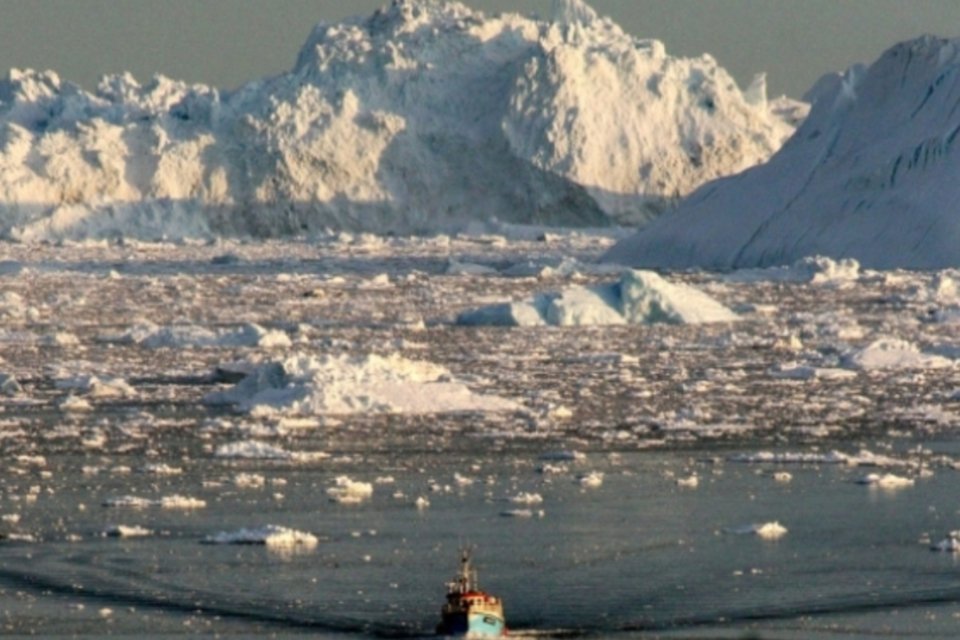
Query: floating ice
(271, 535)
(690, 482)
(344, 384)
(166, 502)
(767, 531)
(886, 481)
(894, 353)
(9, 385)
(950, 544)
(523, 513)
(869, 175)
(795, 371)
(570, 122)
(257, 450)
(347, 491)
(639, 297)
(127, 531)
(591, 480)
(527, 498)
(815, 270)
(194, 336)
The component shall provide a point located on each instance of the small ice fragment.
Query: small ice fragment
(590, 480)
(422, 503)
(782, 477)
(767, 530)
(690, 482)
(527, 498)
(462, 481)
(885, 481)
(951, 543)
(249, 480)
(270, 535)
(125, 531)
(181, 502)
(562, 456)
(523, 513)
(347, 491)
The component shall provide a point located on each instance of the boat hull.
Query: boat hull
(472, 625)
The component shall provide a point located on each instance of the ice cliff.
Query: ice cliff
(870, 175)
(422, 116)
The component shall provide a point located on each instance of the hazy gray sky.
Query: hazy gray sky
(228, 42)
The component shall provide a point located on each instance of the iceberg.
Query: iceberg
(422, 116)
(639, 297)
(869, 175)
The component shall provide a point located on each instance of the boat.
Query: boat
(469, 611)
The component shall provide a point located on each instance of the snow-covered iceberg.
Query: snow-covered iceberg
(639, 297)
(870, 175)
(424, 115)
(345, 384)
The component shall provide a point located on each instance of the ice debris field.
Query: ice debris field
(266, 353)
(293, 396)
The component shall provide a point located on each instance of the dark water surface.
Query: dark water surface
(637, 556)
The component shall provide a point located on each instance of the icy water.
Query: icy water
(642, 552)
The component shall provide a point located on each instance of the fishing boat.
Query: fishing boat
(470, 612)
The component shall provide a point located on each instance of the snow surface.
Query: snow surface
(870, 175)
(422, 116)
(334, 384)
(639, 297)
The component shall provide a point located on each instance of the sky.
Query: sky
(226, 43)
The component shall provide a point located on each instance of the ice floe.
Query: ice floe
(348, 491)
(886, 481)
(165, 502)
(258, 450)
(346, 384)
(195, 336)
(127, 531)
(894, 353)
(767, 530)
(270, 535)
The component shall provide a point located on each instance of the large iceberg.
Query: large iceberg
(870, 175)
(639, 297)
(423, 116)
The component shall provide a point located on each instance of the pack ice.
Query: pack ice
(639, 297)
(870, 175)
(425, 115)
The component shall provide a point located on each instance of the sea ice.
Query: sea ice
(347, 491)
(639, 297)
(886, 481)
(767, 531)
(345, 384)
(127, 531)
(893, 353)
(271, 535)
